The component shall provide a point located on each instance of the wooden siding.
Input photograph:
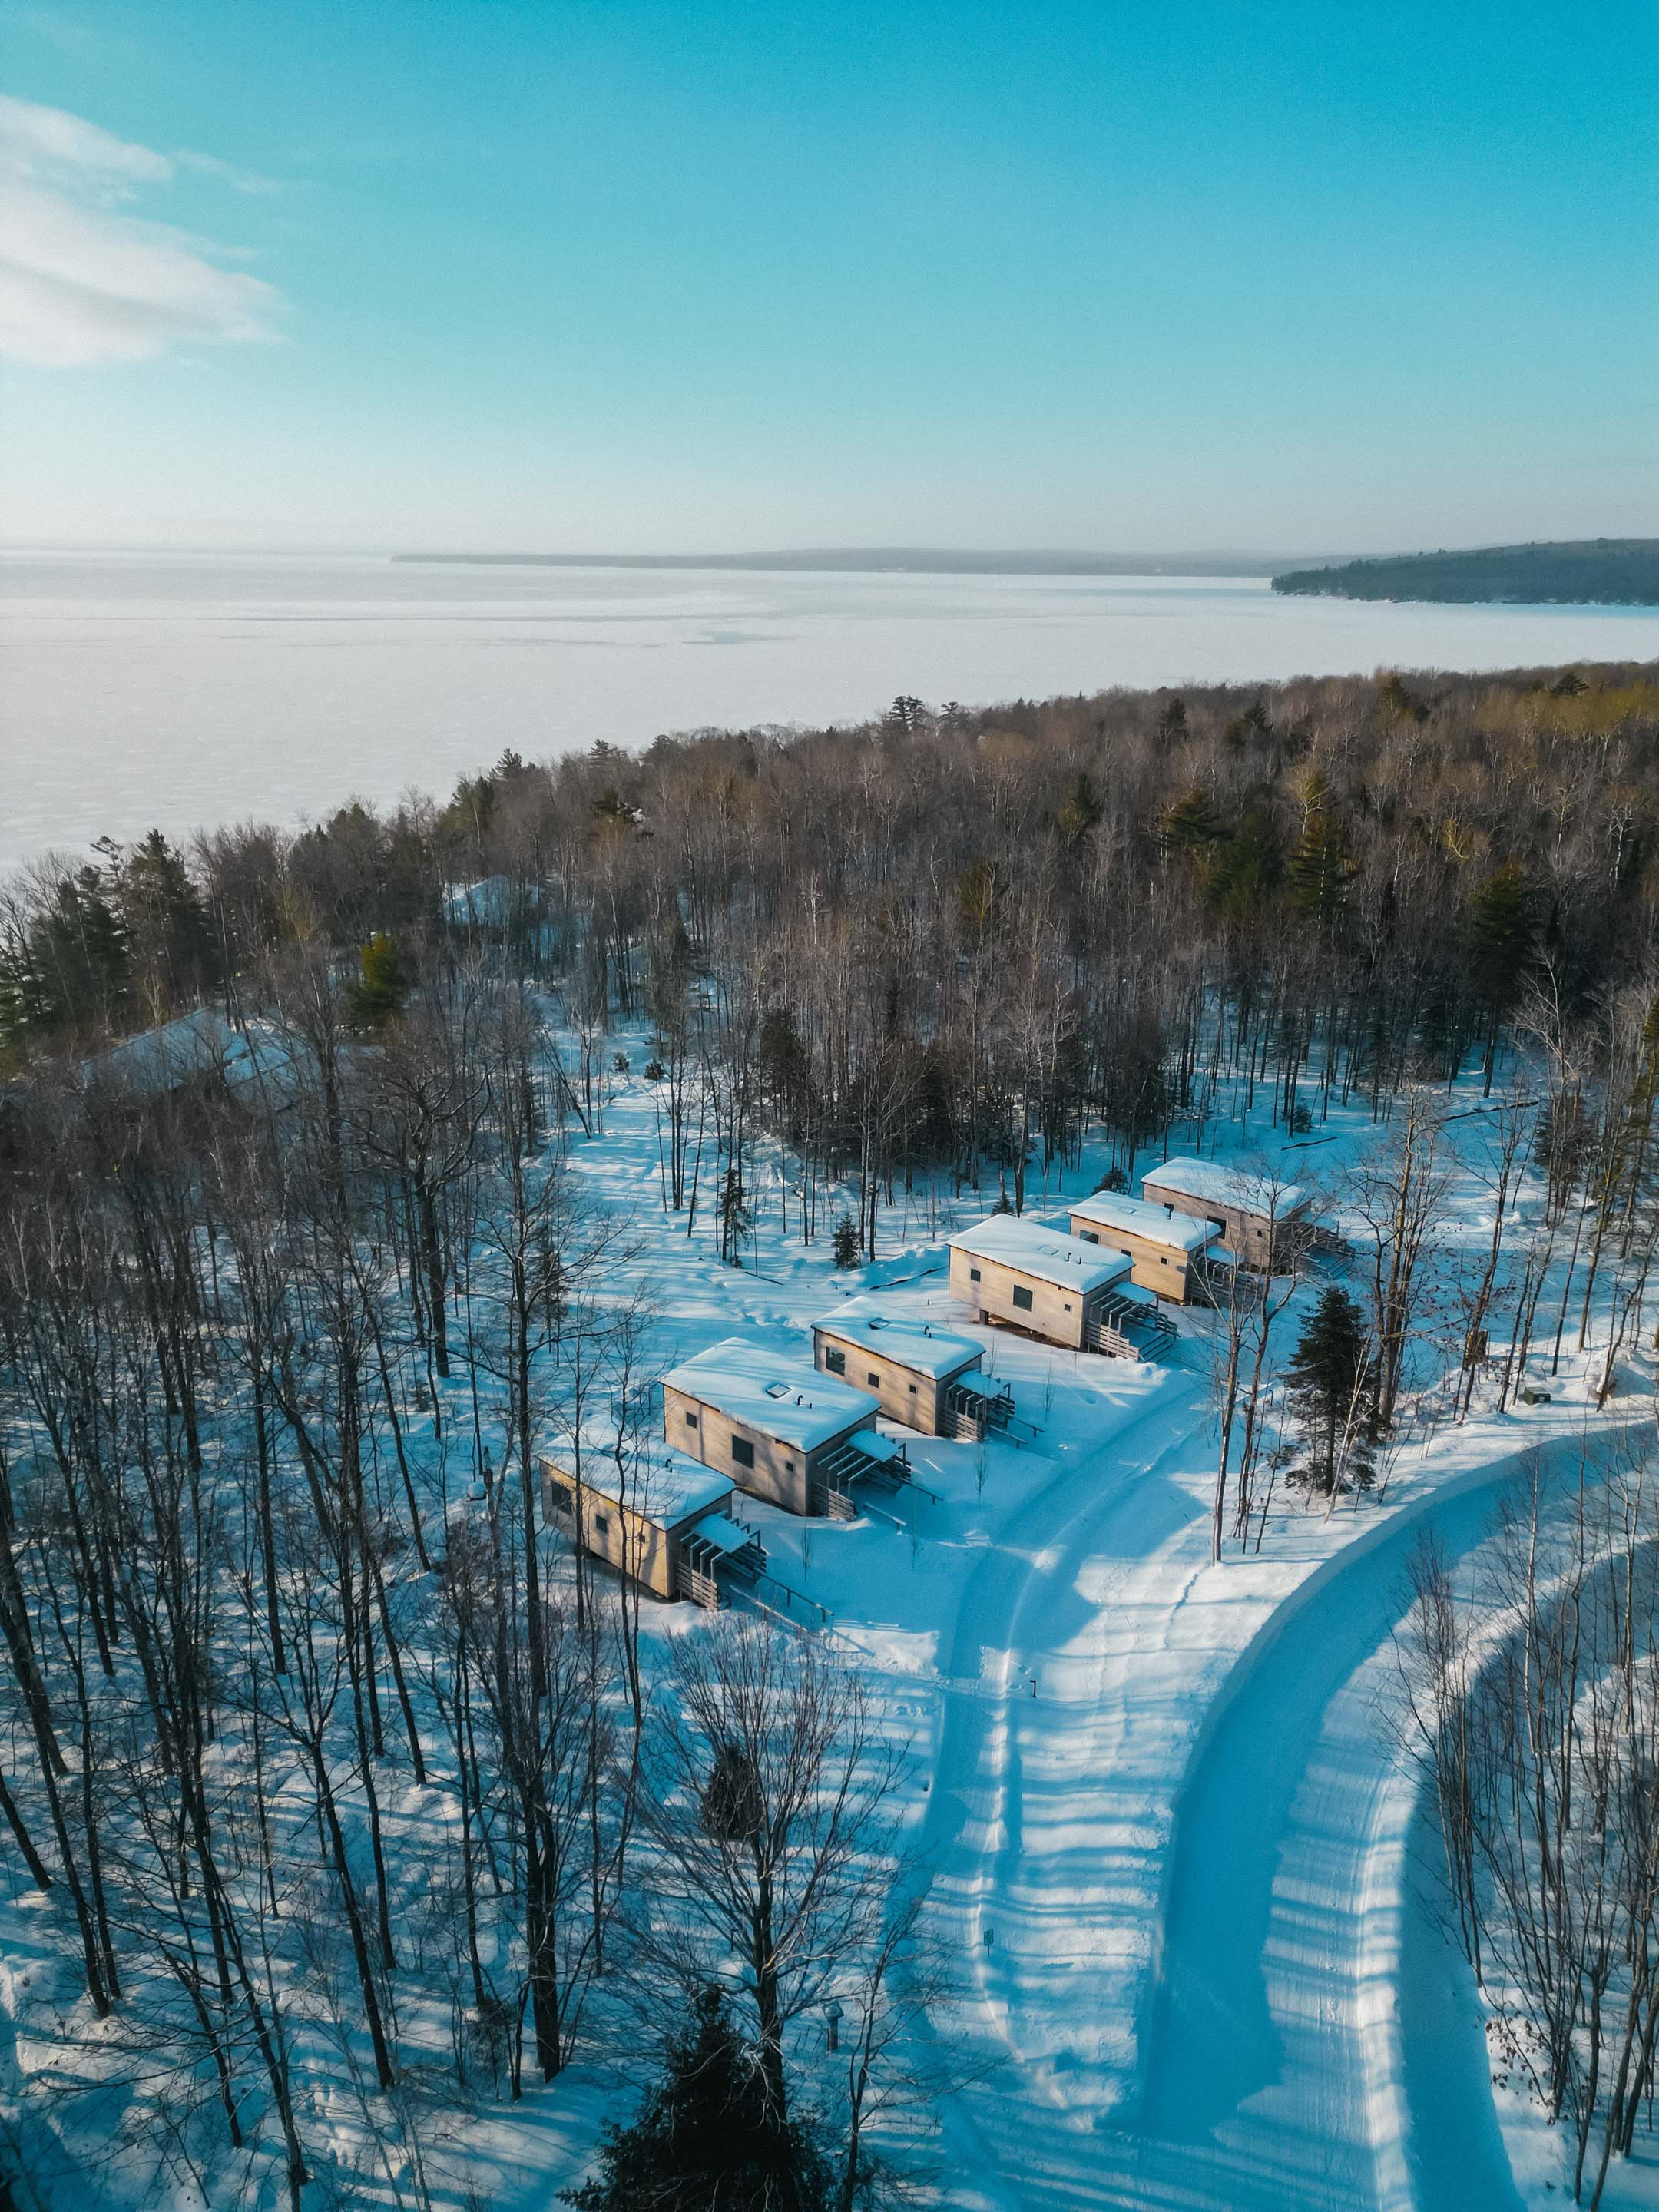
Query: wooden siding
(1156, 1266)
(781, 1473)
(1249, 1234)
(1058, 1315)
(902, 1393)
(633, 1543)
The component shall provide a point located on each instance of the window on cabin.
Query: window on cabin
(1087, 1236)
(601, 1524)
(789, 1467)
(873, 1379)
(833, 1360)
(1162, 1263)
(973, 1274)
(743, 1452)
(1022, 1299)
(913, 1389)
(564, 1499)
(690, 1420)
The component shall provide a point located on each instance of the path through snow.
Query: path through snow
(1268, 2071)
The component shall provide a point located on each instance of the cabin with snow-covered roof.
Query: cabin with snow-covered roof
(1165, 1248)
(781, 1429)
(653, 1514)
(1052, 1285)
(1260, 1219)
(914, 1368)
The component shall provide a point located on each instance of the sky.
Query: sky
(588, 275)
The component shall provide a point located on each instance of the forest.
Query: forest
(332, 1763)
(1609, 572)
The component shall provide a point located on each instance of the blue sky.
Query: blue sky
(1171, 276)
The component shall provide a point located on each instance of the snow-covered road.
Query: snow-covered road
(1193, 1980)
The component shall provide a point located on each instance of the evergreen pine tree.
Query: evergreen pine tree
(1329, 1387)
(164, 920)
(1243, 871)
(71, 970)
(1188, 825)
(1320, 870)
(1082, 811)
(845, 1242)
(705, 2138)
(1501, 937)
(381, 987)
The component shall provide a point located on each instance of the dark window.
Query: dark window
(833, 1360)
(913, 1389)
(563, 1499)
(743, 1452)
(601, 1524)
(789, 1467)
(1022, 1297)
(873, 1379)
(690, 1420)
(1087, 1236)
(973, 1274)
(1162, 1263)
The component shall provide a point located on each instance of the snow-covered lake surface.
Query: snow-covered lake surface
(185, 690)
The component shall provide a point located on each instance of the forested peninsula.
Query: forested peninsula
(1613, 572)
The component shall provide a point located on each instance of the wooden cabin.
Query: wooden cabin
(778, 1428)
(913, 1368)
(1042, 1280)
(660, 1518)
(1259, 1219)
(1165, 1248)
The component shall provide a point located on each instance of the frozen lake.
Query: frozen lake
(188, 689)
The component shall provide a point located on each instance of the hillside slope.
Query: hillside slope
(1595, 572)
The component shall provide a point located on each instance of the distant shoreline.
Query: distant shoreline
(887, 560)
(1597, 571)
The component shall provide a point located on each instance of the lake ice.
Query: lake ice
(183, 691)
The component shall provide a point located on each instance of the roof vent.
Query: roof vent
(777, 1389)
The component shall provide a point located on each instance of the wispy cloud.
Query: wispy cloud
(84, 277)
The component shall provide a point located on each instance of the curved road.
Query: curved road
(1275, 2070)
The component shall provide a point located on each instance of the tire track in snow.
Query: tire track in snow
(1274, 2072)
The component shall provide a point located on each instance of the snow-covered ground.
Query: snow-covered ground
(1162, 1826)
(1160, 1829)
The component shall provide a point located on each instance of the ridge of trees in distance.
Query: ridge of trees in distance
(1617, 572)
(891, 560)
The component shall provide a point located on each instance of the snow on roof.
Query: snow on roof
(1251, 1192)
(781, 1398)
(491, 903)
(1048, 1253)
(201, 1043)
(723, 1534)
(654, 1479)
(885, 1449)
(914, 1344)
(1137, 1216)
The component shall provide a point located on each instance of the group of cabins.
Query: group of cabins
(738, 1418)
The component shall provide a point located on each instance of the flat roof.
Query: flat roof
(653, 1479)
(781, 1398)
(914, 1344)
(1247, 1189)
(1139, 1217)
(1048, 1253)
